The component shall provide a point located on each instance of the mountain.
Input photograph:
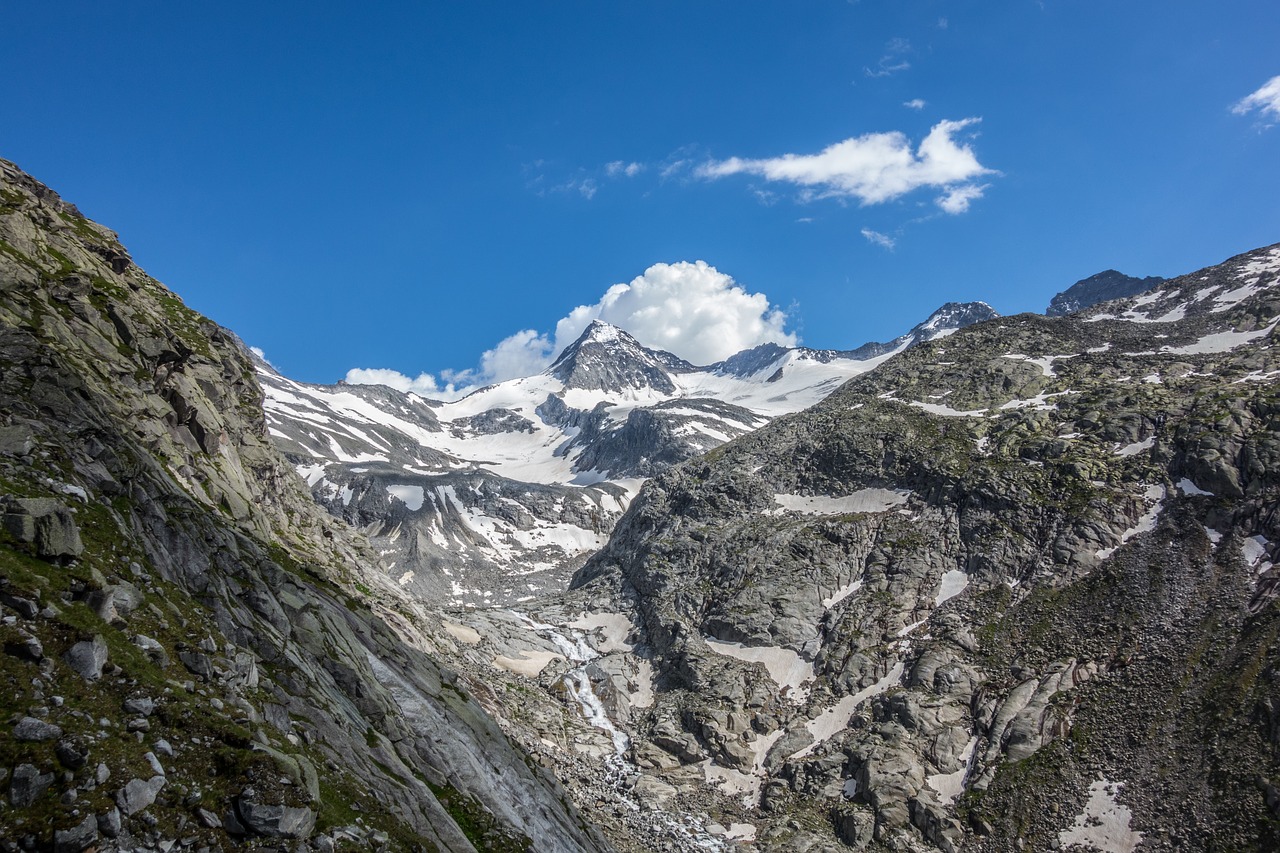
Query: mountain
(1020, 594)
(1103, 287)
(497, 498)
(606, 358)
(195, 654)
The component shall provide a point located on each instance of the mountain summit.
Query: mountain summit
(1103, 287)
(607, 358)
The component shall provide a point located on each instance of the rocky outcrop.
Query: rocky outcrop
(936, 609)
(204, 654)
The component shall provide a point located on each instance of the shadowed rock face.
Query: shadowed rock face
(202, 650)
(1103, 287)
(976, 598)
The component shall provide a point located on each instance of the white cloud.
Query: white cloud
(690, 309)
(957, 199)
(620, 168)
(914, 104)
(1266, 100)
(883, 240)
(424, 383)
(874, 168)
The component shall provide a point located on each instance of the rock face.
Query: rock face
(168, 588)
(983, 599)
(1103, 287)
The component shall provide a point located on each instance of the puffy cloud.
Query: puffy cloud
(1266, 101)
(879, 239)
(914, 104)
(690, 309)
(874, 168)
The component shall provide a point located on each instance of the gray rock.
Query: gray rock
(27, 784)
(140, 705)
(139, 794)
(46, 525)
(110, 823)
(88, 657)
(26, 608)
(72, 753)
(208, 819)
(77, 838)
(29, 728)
(276, 821)
(16, 440)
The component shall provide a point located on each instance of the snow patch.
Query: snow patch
(842, 593)
(461, 633)
(1145, 524)
(787, 669)
(529, 664)
(953, 583)
(863, 500)
(949, 786)
(1220, 341)
(1189, 488)
(411, 496)
(1104, 824)
(1135, 448)
(836, 719)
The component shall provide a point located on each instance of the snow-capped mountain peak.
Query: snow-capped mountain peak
(607, 358)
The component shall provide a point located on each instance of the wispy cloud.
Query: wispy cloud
(1265, 101)
(874, 168)
(621, 168)
(893, 59)
(914, 104)
(882, 240)
(958, 199)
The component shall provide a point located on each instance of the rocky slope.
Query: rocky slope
(499, 497)
(195, 654)
(1014, 589)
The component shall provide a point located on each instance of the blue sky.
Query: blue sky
(406, 187)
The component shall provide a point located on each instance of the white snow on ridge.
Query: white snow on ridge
(1145, 524)
(863, 500)
(1220, 341)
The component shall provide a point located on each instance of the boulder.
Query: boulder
(139, 794)
(46, 525)
(276, 821)
(77, 838)
(31, 729)
(27, 784)
(88, 657)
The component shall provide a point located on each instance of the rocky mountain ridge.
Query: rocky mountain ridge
(497, 498)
